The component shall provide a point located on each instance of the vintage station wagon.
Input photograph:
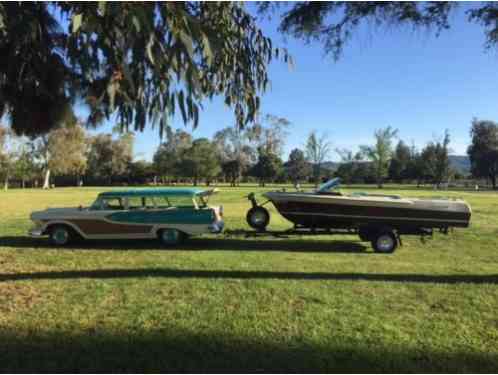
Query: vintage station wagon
(169, 214)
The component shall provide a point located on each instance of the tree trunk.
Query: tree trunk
(6, 183)
(493, 181)
(46, 183)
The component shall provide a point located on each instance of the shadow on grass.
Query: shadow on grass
(219, 243)
(171, 350)
(235, 274)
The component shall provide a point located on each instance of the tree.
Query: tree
(200, 161)
(63, 151)
(142, 62)
(415, 168)
(268, 135)
(483, 150)
(167, 157)
(140, 172)
(398, 167)
(6, 156)
(24, 166)
(68, 151)
(234, 151)
(109, 158)
(381, 152)
(232, 170)
(435, 160)
(334, 24)
(297, 167)
(268, 167)
(317, 150)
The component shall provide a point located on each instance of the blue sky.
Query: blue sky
(412, 81)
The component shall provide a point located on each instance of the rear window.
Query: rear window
(174, 201)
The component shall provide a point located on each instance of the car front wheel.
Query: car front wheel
(60, 235)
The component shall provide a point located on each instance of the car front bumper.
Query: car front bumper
(217, 226)
(36, 233)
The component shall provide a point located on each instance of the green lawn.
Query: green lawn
(230, 303)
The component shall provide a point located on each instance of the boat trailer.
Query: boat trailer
(384, 238)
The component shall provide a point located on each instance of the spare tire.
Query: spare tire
(258, 218)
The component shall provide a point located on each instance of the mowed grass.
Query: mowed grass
(229, 303)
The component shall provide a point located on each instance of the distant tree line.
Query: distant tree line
(69, 155)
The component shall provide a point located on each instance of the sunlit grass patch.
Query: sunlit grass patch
(249, 304)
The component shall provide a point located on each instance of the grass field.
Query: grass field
(230, 303)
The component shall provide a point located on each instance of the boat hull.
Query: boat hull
(314, 211)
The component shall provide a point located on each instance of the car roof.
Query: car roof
(147, 192)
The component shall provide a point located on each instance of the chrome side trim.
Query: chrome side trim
(376, 217)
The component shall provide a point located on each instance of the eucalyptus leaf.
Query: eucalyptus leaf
(77, 19)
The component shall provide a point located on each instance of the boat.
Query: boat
(369, 214)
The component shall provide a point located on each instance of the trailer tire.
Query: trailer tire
(384, 242)
(258, 218)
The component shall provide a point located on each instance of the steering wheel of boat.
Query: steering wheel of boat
(258, 218)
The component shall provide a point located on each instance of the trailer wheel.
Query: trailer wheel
(258, 218)
(384, 242)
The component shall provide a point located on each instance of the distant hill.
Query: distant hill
(460, 163)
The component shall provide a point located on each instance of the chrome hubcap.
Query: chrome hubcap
(170, 235)
(385, 243)
(61, 236)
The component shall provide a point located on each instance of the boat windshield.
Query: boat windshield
(329, 185)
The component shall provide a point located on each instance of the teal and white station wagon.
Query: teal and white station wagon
(169, 214)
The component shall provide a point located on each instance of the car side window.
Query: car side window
(135, 203)
(104, 204)
(149, 203)
(112, 204)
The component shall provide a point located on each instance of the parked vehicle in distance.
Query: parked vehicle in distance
(380, 219)
(169, 214)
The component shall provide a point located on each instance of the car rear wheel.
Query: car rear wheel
(384, 242)
(60, 235)
(169, 237)
(258, 218)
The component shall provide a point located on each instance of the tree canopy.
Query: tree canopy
(381, 152)
(483, 150)
(335, 23)
(317, 150)
(142, 61)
